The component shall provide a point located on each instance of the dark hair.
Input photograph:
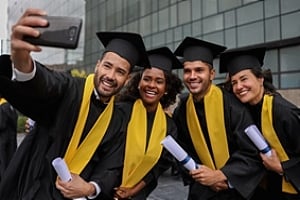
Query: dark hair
(268, 79)
(258, 73)
(130, 92)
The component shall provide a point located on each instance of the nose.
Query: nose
(111, 74)
(238, 86)
(192, 75)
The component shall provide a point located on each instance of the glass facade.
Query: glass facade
(234, 23)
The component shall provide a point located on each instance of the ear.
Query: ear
(212, 74)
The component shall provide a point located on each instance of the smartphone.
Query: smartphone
(61, 32)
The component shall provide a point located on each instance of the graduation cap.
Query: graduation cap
(233, 61)
(192, 49)
(130, 46)
(164, 59)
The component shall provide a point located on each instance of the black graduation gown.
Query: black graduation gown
(165, 161)
(8, 135)
(53, 100)
(243, 168)
(286, 123)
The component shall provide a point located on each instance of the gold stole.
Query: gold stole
(2, 101)
(77, 156)
(139, 160)
(214, 112)
(271, 136)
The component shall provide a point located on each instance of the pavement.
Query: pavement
(169, 187)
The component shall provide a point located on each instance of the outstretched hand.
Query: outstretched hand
(20, 49)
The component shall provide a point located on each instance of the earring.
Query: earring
(166, 93)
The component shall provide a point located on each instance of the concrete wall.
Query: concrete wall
(293, 95)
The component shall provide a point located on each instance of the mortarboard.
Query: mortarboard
(192, 49)
(164, 59)
(130, 46)
(233, 61)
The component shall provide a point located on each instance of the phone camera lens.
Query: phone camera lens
(72, 32)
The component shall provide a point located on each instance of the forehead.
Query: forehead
(154, 72)
(196, 64)
(115, 59)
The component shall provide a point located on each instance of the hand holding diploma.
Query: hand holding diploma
(63, 172)
(257, 138)
(173, 147)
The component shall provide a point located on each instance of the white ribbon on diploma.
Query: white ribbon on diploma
(63, 172)
(177, 151)
(257, 138)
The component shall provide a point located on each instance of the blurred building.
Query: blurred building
(54, 57)
(3, 28)
(234, 23)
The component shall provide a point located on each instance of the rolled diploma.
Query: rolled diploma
(257, 138)
(173, 147)
(62, 169)
(63, 172)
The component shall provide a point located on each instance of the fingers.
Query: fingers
(25, 27)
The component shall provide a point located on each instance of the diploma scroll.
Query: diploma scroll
(62, 169)
(176, 150)
(257, 138)
(63, 172)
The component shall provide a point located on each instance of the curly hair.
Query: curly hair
(130, 92)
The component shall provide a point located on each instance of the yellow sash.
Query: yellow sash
(139, 160)
(2, 101)
(214, 112)
(271, 136)
(78, 156)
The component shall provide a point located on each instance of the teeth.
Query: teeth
(107, 83)
(243, 93)
(150, 92)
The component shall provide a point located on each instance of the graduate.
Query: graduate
(211, 124)
(146, 95)
(76, 118)
(8, 133)
(276, 118)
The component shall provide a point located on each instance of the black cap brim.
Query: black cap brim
(130, 46)
(192, 49)
(164, 59)
(233, 61)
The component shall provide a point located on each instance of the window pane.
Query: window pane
(230, 19)
(271, 8)
(209, 7)
(196, 9)
(197, 28)
(272, 29)
(229, 4)
(271, 60)
(290, 59)
(213, 23)
(230, 38)
(184, 12)
(290, 80)
(290, 5)
(163, 19)
(291, 25)
(251, 34)
(250, 13)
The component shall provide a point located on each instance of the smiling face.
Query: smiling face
(111, 73)
(197, 77)
(152, 87)
(247, 87)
